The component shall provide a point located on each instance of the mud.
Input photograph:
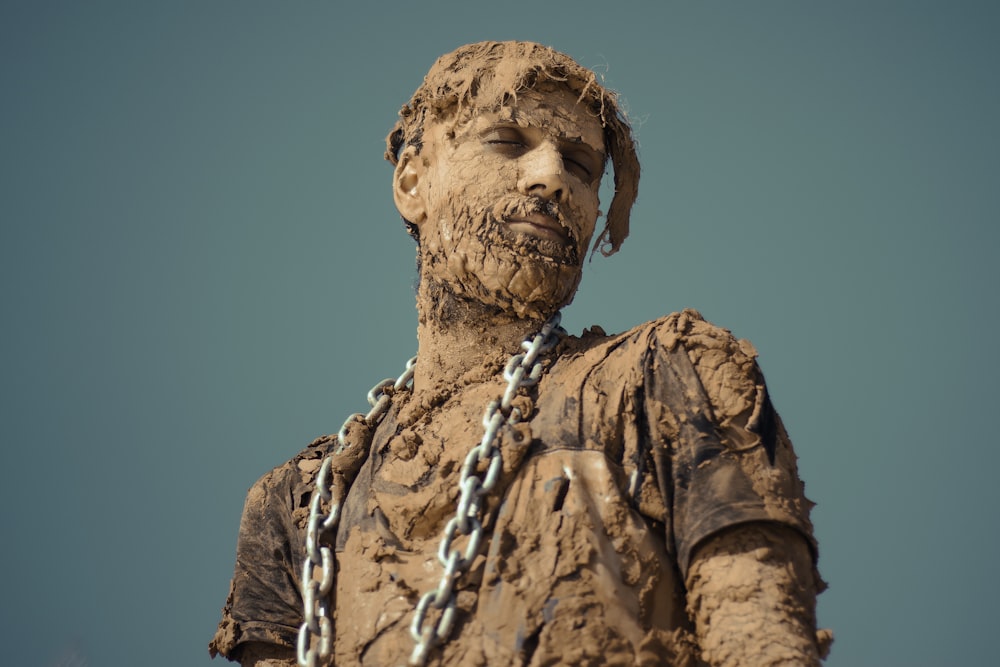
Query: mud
(579, 567)
(649, 510)
(487, 75)
(259, 654)
(747, 598)
(466, 191)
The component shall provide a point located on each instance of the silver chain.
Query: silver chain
(523, 370)
(315, 642)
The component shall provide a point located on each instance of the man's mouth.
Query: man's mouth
(539, 225)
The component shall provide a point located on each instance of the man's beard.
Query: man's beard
(563, 252)
(487, 262)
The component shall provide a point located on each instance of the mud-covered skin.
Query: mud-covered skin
(259, 654)
(488, 76)
(609, 487)
(477, 182)
(749, 602)
(636, 455)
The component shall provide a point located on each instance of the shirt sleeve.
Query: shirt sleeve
(265, 602)
(723, 455)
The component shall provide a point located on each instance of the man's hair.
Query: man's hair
(486, 75)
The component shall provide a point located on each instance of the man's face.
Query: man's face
(510, 201)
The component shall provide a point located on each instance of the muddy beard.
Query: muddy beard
(487, 263)
(448, 307)
(520, 207)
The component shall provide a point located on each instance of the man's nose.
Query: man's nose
(542, 173)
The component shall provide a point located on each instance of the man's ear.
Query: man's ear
(408, 186)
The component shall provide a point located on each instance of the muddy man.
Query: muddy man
(520, 496)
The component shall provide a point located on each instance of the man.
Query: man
(632, 499)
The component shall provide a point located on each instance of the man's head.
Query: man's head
(499, 156)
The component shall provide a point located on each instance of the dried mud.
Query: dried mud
(649, 506)
(578, 569)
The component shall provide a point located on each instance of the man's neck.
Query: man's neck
(461, 342)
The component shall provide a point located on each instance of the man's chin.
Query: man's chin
(541, 286)
(450, 299)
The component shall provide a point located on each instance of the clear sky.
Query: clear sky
(201, 270)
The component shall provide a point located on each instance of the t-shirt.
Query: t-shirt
(632, 450)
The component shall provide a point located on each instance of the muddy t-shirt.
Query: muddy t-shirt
(632, 450)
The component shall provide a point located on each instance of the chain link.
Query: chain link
(523, 370)
(315, 641)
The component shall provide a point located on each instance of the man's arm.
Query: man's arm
(740, 516)
(264, 607)
(752, 596)
(259, 654)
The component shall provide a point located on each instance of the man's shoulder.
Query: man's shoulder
(306, 462)
(294, 477)
(723, 364)
(700, 337)
(687, 328)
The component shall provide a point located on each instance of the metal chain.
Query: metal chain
(315, 642)
(523, 370)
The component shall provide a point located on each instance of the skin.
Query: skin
(259, 654)
(751, 594)
(506, 203)
(476, 192)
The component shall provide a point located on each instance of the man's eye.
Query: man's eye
(581, 164)
(504, 138)
(581, 168)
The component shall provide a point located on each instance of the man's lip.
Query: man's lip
(540, 225)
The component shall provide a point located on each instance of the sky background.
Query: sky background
(201, 270)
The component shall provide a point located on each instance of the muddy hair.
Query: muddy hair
(486, 75)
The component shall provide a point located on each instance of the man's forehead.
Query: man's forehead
(559, 113)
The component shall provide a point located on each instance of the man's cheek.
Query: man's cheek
(584, 217)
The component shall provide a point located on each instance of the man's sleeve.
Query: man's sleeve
(265, 604)
(725, 458)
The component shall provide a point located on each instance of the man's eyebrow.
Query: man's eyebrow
(577, 140)
(502, 122)
(580, 143)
